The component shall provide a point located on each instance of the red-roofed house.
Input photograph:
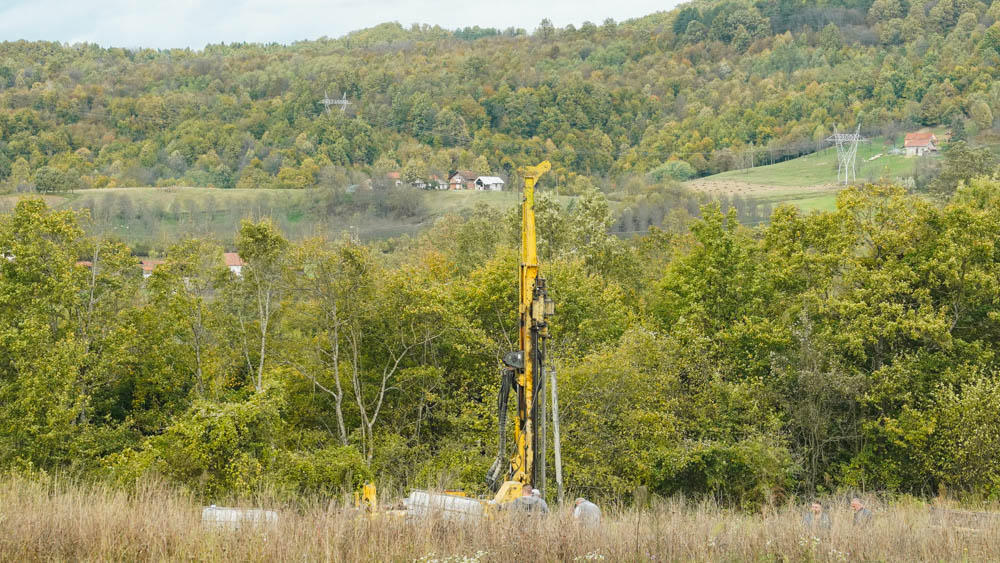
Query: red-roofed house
(919, 144)
(234, 262)
(463, 180)
(148, 264)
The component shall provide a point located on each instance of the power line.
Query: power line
(847, 153)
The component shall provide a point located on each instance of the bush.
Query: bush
(322, 472)
(748, 472)
(673, 170)
(216, 448)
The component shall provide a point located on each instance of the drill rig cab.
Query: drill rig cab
(523, 371)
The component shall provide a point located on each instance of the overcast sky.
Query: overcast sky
(193, 23)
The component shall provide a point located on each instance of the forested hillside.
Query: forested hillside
(673, 94)
(853, 349)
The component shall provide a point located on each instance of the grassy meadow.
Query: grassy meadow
(810, 181)
(58, 520)
(820, 168)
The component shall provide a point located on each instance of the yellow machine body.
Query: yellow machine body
(367, 498)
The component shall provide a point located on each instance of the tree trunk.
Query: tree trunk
(265, 313)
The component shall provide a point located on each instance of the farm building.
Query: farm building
(148, 264)
(489, 184)
(919, 144)
(234, 262)
(462, 180)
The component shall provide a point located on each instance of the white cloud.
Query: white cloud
(190, 23)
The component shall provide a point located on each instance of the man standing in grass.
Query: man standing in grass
(530, 504)
(862, 516)
(817, 519)
(587, 512)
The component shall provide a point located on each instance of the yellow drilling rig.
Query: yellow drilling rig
(523, 373)
(524, 369)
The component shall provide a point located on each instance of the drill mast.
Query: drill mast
(524, 369)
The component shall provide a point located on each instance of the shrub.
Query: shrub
(216, 448)
(673, 170)
(322, 472)
(748, 472)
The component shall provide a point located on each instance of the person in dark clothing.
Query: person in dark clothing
(529, 503)
(817, 519)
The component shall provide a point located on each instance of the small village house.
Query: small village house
(234, 262)
(434, 182)
(148, 265)
(462, 180)
(489, 184)
(919, 144)
(231, 259)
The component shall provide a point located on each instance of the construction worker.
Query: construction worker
(536, 494)
(529, 503)
(817, 519)
(862, 516)
(586, 512)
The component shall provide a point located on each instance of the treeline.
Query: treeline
(672, 210)
(674, 94)
(849, 349)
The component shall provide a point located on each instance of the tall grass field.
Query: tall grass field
(56, 520)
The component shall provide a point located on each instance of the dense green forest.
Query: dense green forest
(852, 349)
(671, 95)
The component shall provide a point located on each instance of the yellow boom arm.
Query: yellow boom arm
(525, 367)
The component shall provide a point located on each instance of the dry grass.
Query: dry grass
(54, 520)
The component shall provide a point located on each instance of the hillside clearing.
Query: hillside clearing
(810, 181)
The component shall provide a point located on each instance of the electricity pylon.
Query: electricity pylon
(847, 153)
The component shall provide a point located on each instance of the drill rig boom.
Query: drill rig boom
(524, 369)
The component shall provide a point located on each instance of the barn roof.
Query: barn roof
(919, 139)
(466, 174)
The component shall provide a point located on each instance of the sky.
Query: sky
(192, 23)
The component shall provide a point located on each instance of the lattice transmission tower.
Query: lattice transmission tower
(328, 101)
(847, 153)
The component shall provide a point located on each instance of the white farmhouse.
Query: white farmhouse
(489, 184)
(919, 144)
